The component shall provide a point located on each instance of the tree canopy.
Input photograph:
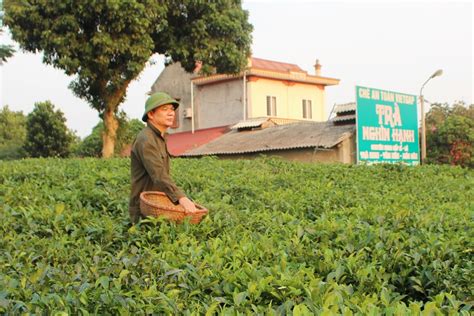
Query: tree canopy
(450, 134)
(46, 132)
(12, 133)
(106, 44)
(6, 51)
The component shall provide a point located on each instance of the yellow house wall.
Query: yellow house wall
(289, 98)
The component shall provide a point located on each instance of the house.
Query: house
(264, 89)
(303, 141)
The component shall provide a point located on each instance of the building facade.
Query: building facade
(264, 89)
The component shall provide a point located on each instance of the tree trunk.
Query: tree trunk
(111, 123)
(110, 133)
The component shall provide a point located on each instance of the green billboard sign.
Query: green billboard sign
(387, 127)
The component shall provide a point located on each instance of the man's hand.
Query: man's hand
(187, 204)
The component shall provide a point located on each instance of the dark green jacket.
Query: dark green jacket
(150, 169)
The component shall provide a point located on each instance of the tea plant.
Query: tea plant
(281, 238)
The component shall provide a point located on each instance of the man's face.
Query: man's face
(162, 117)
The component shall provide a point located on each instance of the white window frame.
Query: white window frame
(307, 109)
(271, 106)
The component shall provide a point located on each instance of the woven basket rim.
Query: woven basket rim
(200, 209)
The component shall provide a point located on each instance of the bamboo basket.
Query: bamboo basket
(155, 203)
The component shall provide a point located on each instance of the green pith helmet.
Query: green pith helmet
(158, 99)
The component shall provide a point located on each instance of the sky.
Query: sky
(389, 45)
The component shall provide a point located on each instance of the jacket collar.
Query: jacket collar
(157, 131)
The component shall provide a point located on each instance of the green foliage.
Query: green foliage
(106, 44)
(12, 134)
(281, 238)
(450, 134)
(91, 146)
(46, 132)
(127, 132)
(6, 51)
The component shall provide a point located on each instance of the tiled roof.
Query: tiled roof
(272, 70)
(297, 135)
(271, 65)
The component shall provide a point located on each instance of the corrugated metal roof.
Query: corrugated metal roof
(253, 122)
(283, 121)
(297, 135)
(179, 143)
(258, 121)
(342, 118)
(346, 107)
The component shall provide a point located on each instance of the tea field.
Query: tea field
(281, 238)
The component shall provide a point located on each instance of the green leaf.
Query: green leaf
(103, 281)
(301, 310)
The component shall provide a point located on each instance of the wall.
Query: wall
(347, 150)
(289, 98)
(175, 81)
(219, 104)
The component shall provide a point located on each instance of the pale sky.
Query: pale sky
(385, 45)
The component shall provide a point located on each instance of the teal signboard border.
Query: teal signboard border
(387, 127)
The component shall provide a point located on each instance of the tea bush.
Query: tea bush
(281, 238)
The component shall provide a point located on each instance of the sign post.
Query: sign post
(387, 127)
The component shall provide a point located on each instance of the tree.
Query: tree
(12, 134)
(106, 44)
(91, 145)
(46, 132)
(450, 134)
(6, 51)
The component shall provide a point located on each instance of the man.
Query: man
(150, 163)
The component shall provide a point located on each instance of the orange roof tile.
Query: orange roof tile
(265, 64)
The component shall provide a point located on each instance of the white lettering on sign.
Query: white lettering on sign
(388, 96)
(376, 147)
(364, 93)
(388, 116)
(405, 99)
(403, 135)
(374, 155)
(375, 133)
(375, 95)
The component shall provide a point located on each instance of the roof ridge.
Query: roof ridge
(275, 61)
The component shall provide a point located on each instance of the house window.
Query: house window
(271, 106)
(307, 109)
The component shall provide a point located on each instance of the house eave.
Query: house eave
(298, 77)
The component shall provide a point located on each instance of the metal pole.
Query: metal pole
(423, 130)
(438, 72)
